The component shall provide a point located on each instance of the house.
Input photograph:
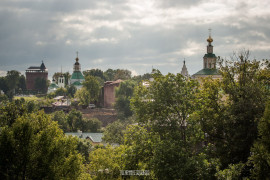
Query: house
(95, 138)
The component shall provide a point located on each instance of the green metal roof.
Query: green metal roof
(53, 85)
(77, 75)
(77, 83)
(210, 55)
(95, 137)
(208, 72)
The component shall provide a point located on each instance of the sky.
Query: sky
(129, 34)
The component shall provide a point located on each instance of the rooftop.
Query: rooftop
(208, 72)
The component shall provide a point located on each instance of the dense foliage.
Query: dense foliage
(32, 146)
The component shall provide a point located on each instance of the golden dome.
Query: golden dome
(209, 39)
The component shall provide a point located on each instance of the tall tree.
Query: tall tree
(22, 83)
(123, 95)
(261, 148)
(91, 84)
(231, 108)
(109, 74)
(166, 109)
(41, 85)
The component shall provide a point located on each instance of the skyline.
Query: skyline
(133, 35)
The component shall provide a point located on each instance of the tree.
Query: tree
(91, 84)
(71, 90)
(75, 120)
(22, 83)
(231, 108)
(123, 74)
(84, 147)
(169, 141)
(61, 92)
(106, 162)
(12, 79)
(61, 118)
(56, 75)
(123, 95)
(114, 133)
(83, 96)
(166, 104)
(33, 147)
(41, 85)
(261, 148)
(91, 125)
(109, 74)
(94, 72)
(67, 77)
(3, 85)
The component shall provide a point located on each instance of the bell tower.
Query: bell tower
(209, 59)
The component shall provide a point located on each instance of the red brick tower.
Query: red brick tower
(34, 72)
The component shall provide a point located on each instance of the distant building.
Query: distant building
(52, 87)
(95, 138)
(109, 92)
(61, 81)
(77, 77)
(184, 71)
(209, 63)
(34, 72)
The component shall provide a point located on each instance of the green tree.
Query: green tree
(123, 74)
(91, 84)
(55, 76)
(84, 147)
(12, 79)
(83, 96)
(3, 85)
(33, 147)
(167, 109)
(41, 85)
(123, 95)
(61, 92)
(231, 108)
(95, 73)
(22, 83)
(114, 133)
(91, 125)
(61, 118)
(75, 120)
(67, 76)
(106, 162)
(261, 148)
(109, 74)
(71, 90)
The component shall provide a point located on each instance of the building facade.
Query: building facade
(34, 72)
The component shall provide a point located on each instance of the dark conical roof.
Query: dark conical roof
(42, 66)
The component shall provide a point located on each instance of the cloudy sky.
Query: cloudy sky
(129, 34)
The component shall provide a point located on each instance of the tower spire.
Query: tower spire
(184, 71)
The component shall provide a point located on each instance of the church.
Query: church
(76, 79)
(209, 63)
